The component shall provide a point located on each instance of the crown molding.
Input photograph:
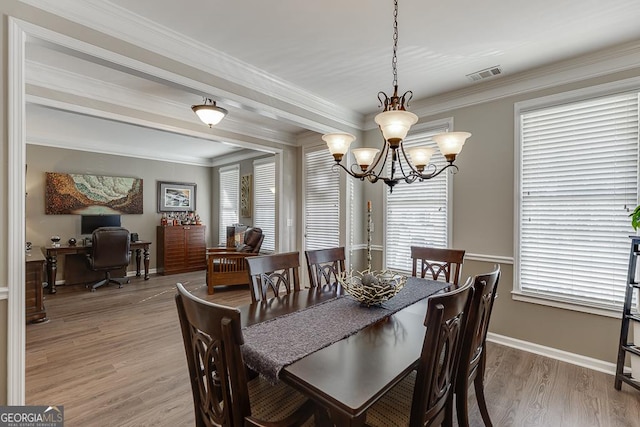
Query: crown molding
(115, 21)
(99, 148)
(237, 157)
(88, 146)
(121, 24)
(601, 63)
(81, 85)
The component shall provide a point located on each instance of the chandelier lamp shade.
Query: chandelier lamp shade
(413, 164)
(209, 112)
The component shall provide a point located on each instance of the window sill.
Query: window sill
(606, 312)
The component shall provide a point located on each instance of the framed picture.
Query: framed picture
(176, 196)
(245, 196)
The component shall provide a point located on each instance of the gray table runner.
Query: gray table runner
(269, 346)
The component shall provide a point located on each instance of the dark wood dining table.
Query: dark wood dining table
(350, 375)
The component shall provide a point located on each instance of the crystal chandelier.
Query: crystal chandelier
(394, 123)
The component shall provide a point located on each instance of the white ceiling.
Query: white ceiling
(341, 50)
(335, 53)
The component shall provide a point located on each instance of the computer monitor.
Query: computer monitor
(88, 223)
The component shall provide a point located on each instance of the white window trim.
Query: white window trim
(421, 128)
(343, 223)
(517, 294)
(259, 162)
(220, 171)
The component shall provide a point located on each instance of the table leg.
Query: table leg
(138, 251)
(52, 268)
(146, 263)
(342, 420)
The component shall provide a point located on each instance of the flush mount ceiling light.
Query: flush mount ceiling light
(209, 112)
(394, 123)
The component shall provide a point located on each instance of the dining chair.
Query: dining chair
(473, 357)
(438, 262)
(278, 273)
(222, 395)
(426, 396)
(324, 267)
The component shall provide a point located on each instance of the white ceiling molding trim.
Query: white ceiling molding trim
(124, 63)
(85, 86)
(608, 61)
(99, 148)
(238, 157)
(39, 74)
(119, 23)
(47, 102)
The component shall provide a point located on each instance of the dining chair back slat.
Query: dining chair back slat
(432, 400)
(212, 339)
(438, 263)
(278, 273)
(446, 321)
(222, 394)
(473, 356)
(324, 267)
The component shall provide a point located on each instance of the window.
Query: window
(577, 179)
(229, 195)
(264, 201)
(417, 213)
(322, 201)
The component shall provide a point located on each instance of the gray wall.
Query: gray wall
(41, 227)
(483, 223)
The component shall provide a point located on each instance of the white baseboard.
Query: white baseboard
(554, 353)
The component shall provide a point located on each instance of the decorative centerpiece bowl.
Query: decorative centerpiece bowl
(372, 287)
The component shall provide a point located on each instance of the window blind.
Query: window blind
(229, 195)
(264, 216)
(322, 201)
(417, 213)
(578, 178)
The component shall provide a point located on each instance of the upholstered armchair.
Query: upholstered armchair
(226, 266)
(252, 242)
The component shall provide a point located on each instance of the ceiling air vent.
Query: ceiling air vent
(484, 74)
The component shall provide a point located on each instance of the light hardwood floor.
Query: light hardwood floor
(115, 357)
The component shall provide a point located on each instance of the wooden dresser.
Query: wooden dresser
(34, 276)
(181, 248)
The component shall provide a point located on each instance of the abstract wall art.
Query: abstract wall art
(245, 196)
(82, 194)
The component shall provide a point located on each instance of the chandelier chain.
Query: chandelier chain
(394, 60)
(394, 122)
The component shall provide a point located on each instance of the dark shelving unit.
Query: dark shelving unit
(627, 318)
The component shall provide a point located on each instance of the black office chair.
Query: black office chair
(110, 250)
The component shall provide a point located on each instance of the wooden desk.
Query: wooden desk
(350, 375)
(34, 298)
(52, 252)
